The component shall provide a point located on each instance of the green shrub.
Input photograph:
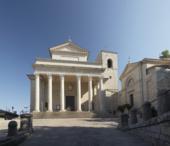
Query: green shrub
(121, 108)
(165, 54)
(128, 106)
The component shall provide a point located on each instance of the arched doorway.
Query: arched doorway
(130, 91)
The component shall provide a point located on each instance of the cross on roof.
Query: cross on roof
(69, 39)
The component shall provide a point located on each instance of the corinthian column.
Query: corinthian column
(62, 94)
(90, 93)
(78, 93)
(37, 93)
(50, 90)
(101, 102)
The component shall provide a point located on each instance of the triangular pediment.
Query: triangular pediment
(128, 68)
(68, 47)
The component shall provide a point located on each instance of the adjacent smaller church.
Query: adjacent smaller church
(143, 81)
(68, 82)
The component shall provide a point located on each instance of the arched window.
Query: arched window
(109, 63)
(130, 83)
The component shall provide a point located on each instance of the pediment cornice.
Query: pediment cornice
(68, 47)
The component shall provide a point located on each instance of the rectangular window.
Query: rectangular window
(147, 71)
(131, 100)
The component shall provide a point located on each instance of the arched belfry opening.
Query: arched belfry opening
(109, 63)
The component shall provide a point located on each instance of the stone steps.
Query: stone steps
(70, 114)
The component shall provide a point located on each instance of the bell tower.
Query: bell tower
(109, 61)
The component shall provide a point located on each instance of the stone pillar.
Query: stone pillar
(62, 94)
(101, 95)
(147, 111)
(26, 122)
(12, 128)
(163, 101)
(133, 116)
(37, 93)
(90, 93)
(124, 120)
(50, 94)
(78, 93)
(101, 84)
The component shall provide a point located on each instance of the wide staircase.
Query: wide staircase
(70, 114)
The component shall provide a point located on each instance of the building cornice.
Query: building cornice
(125, 73)
(79, 49)
(108, 52)
(70, 53)
(91, 67)
(66, 61)
(31, 76)
(145, 61)
(68, 43)
(156, 61)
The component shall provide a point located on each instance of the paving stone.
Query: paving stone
(80, 132)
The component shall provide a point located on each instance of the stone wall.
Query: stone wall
(155, 130)
(4, 123)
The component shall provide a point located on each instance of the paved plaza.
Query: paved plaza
(80, 132)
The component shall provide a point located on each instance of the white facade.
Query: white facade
(141, 81)
(67, 81)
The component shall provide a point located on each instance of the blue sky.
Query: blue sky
(135, 28)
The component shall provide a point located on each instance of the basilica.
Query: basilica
(67, 81)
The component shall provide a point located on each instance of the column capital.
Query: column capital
(90, 77)
(61, 75)
(78, 76)
(49, 75)
(101, 77)
(37, 74)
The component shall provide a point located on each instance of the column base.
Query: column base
(50, 111)
(36, 111)
(62, 110)
(89, 109)
(78, 110)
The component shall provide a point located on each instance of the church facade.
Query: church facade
(69, 82)
(143, 81)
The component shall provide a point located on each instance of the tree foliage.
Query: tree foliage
(165, 54)
(122, 108)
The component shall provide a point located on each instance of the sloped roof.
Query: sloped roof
(128, 67)
(155, 61)
(68, 47)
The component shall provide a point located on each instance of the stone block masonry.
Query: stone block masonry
(155, 130)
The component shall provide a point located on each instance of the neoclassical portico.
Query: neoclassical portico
(62, 92)
(68, 81)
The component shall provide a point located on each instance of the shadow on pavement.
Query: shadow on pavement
(81, 136)
(100, 120)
